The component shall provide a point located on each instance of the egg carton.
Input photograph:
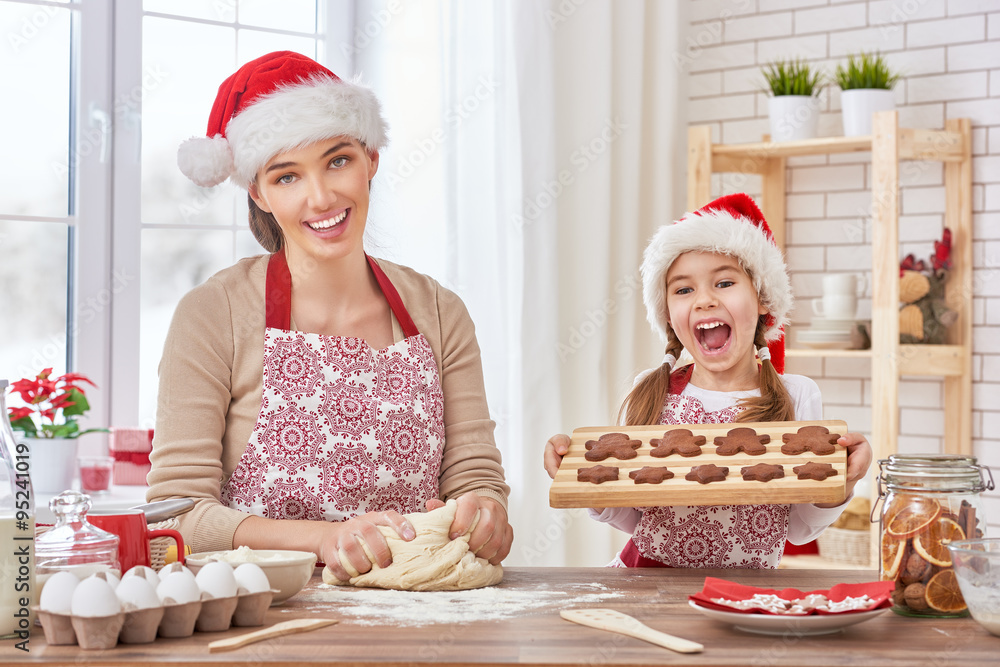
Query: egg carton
(134, 625)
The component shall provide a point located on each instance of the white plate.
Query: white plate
(799, 626)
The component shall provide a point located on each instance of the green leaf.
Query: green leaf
(80, 404)
(866, 70)
(793, 77)
(26, 425)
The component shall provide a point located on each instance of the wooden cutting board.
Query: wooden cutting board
(566, 491)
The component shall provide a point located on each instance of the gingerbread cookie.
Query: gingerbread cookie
(617, 445)
(650, 475)
(762, 472)
(707, 473)
(815, 439)
(741, 440)
(816, 471)
(597, 474)
(678, 441)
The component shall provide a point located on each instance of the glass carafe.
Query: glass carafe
(74, 544)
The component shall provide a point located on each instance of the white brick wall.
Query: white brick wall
(949, 53)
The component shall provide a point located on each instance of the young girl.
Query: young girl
(310, 395)
(715, 285)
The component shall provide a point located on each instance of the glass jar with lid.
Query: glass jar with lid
(73, 543)
(928, 501)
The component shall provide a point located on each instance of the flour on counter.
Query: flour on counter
(371, 606)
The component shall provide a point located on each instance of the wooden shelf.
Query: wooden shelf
(888, 144)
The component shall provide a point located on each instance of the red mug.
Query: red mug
(133, 534)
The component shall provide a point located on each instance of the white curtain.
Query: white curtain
(535, 149)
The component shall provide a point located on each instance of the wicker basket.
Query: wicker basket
(845, 546)
(158, 546)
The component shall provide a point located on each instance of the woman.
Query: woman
(310, 395)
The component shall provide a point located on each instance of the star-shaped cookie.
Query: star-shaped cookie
(597, 474)
(707, 473)
(650, 475)
(741, 440)
(762, 472)
(617, 445)
(677, 441)
(816, 471)
(815, 439)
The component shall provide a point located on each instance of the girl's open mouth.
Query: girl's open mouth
(712, 336)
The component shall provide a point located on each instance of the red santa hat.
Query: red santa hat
(275, 103)
(734, 226)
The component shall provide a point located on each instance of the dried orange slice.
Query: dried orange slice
(914, 518)
(892, 556)
(943, 593)
(932, 544)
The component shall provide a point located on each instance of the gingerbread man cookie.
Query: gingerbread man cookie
(815, 439)
(741, 440)
(617, 445)
(597, 474)
(650, 475)
(762, 472)
(816, 471)
(707, 473)
(678, 441)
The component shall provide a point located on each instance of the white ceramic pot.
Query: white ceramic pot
(53, 464)
(858, 105)
(793, 117)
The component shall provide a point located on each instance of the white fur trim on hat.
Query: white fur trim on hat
(720, 232)
(205, 161)
(301, 114)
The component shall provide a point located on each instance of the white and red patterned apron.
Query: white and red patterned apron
(723, 536)
(343, 429)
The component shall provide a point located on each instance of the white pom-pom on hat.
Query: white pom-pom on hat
(206, 161)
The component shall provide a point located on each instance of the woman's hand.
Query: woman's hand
(859, 458)
(360, 542)
(492, 537)
(555, 449)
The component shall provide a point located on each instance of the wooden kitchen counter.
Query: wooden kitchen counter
(536, 635)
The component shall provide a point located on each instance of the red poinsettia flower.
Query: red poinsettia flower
(53, 405)
(941, 260)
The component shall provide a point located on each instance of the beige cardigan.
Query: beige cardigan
(211, 379)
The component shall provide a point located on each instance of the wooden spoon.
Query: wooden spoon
(276, 630)
(615, 621)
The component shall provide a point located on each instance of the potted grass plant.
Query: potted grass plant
(866, 83)
(793, 108)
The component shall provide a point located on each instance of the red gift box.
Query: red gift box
(130, 448)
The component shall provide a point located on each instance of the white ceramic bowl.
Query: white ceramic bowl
(977, 567)
(287, 571)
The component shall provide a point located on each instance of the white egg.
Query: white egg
(251, 577)
(172, 568)
(138, 592)
(179, 587)
(94, 597)
(147, 573)
(57, 594)
(217, 580)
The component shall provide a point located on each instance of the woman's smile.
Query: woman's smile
(332, 223)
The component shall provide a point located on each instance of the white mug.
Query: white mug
(836, 306)
(840, 283)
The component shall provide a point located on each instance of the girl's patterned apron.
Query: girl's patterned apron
(343, 429)
(726, 536)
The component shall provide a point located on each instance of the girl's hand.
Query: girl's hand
(492, 537)
(360, 542)
(859, 457)
(555, 449)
